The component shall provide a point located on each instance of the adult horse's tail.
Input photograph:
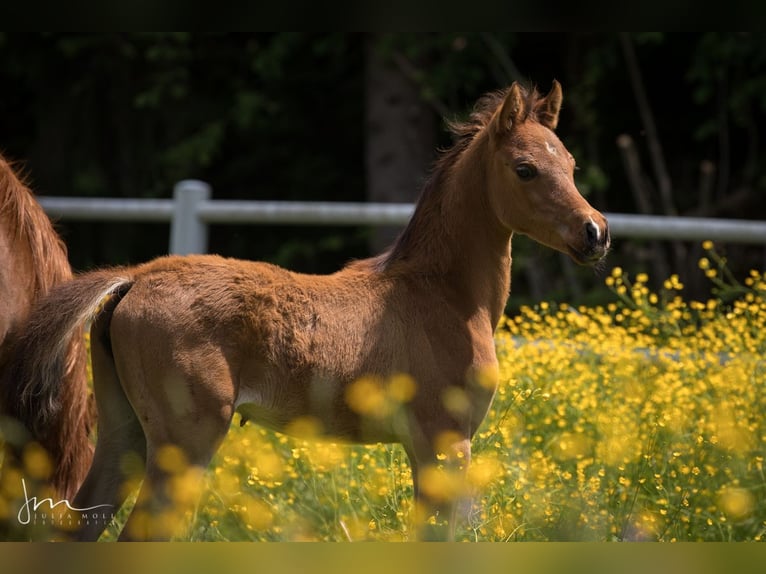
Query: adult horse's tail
(38, 395)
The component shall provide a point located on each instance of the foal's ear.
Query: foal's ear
(547, 109)
(512, 111)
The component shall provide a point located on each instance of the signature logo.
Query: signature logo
(32, 505)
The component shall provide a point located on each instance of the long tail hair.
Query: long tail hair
(65, 435)
(36, 390)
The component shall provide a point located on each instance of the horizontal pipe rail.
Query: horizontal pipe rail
(686, 228)
(306, 213)
(191, 210)
(331, 213)
(107, 209)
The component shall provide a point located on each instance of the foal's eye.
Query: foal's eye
(526, 171)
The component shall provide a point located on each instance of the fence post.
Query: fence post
(188, 233)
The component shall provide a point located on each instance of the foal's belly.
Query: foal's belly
(316, 411)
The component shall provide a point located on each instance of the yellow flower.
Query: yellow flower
(402, 388)
(171, 459)
(366, 397)
(36, 461)
(736, 502)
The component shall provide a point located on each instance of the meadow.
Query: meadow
(643, 419)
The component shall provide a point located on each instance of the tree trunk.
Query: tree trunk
(400, 137)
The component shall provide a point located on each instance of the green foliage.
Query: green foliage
(734, 63)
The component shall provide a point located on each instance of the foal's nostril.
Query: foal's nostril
(592, 233)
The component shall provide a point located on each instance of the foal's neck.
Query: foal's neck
(454, 240)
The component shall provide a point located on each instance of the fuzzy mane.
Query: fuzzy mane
(483, 111)
(464, 133)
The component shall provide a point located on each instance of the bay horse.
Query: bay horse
(181, 343)
(33, 259)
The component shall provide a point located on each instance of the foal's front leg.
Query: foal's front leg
(439, 482)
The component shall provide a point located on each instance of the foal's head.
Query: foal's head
(531, 183)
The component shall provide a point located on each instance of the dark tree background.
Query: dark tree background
(660, 123)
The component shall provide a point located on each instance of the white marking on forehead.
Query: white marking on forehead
(551, 149)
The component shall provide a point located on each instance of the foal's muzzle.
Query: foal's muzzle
(594, 243)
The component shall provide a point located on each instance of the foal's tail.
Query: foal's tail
(38, 392)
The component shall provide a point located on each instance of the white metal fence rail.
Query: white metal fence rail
(191, 211)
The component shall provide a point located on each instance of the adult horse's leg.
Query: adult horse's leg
(120, 437)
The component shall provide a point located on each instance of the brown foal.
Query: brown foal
(180, 343)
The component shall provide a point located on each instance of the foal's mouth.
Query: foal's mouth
(590, 257)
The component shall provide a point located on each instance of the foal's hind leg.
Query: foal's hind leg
(185, 412)
(120, 442)
(163, 505)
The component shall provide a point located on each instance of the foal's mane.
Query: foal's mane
(483, 111)
(464, 133)
(31, 230)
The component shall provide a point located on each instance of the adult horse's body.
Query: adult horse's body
(180, 343)
(33, 259)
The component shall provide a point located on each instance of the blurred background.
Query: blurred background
(660, 123)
